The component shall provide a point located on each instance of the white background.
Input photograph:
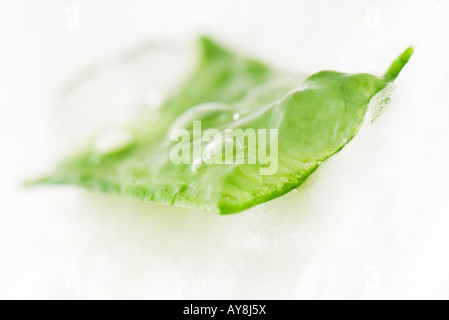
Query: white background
(371, 223)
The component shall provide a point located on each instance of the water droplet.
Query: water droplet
(197, 163)
(236, 116)
(113, 139)
(219, 147)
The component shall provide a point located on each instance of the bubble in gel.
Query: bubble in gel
(236, 116)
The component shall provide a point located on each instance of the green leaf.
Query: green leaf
(228, 91)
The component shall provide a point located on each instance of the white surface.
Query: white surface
(371, 223)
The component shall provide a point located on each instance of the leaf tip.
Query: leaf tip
(399, 64)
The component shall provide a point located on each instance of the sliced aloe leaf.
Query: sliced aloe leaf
(312, 122)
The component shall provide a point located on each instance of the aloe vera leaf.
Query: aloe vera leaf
(313, 122)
